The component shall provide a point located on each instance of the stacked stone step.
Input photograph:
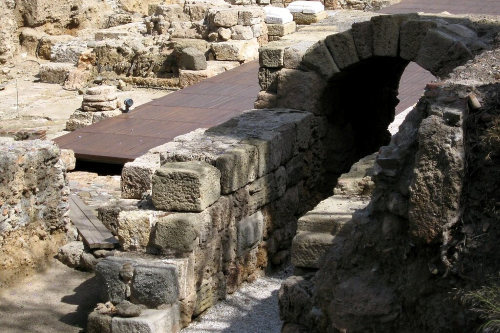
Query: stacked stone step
(328, 223)
(279, 22)
(307, 12)
(99, 103)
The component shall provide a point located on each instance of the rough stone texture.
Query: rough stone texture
(70, 254)
(281, 29)
(113, 288)
(236, 50)
(137, 175)
(150, 321)
(192, 59)
(386, 33)
(319, 58)
(134, 228)
(249, 232)
(342, 48)
(190, 77)
(435, 206)
(185, 186)
(300, 90)
(238, 167)
(434, 46)
(305, 18)
(178, 232)
(155, 286)
(99, 323)
(55, 72)
(362, 33)
(411, 36)
(33, 187)
(8, 30)
(68, 158)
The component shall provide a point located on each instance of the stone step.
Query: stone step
(331, 214)
(309, 248)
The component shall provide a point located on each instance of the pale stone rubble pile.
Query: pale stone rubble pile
(99, 103)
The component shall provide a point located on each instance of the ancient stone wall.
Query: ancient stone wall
(8, 30)
(33, 203)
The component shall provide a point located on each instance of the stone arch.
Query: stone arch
(352, 78)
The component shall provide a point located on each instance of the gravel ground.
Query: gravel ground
(251, 309)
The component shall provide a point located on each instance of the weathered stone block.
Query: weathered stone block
(342, 48)
(251, 15)
(386, 33)
(309, 248)
(134, 228)
(99, 323)
(265, 100)
(155, 286)
(268, 79)
(293, 55)
(78, 120)
(150, 321)
(250, 231)
(113, 288)
(275, 15)
(223, 17)
(300, 90)
(55, 72)
(269, 147)
(434, 46)
(192, 59)
(305, 18)
(137, 176)
(362, 33)
(319, 58)
(411, 36)
(262, 191)
(238, 166)
(281, 29)
(241, 32)
(178, 232)
(271, 56)
(244, 50)
(306, 7)
(186, 186)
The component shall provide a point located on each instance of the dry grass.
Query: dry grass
(486, 302)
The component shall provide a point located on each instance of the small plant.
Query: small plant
(486, 302)
(490, 140)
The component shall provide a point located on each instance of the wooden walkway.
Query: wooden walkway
(93, 232)
(125, 137)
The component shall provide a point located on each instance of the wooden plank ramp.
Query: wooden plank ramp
(93, 232)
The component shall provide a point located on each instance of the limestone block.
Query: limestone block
(192, 59)
(342, 48)
(67, 52)
(411, 36)
(330, 215)
(456, 55)
(137, 176)
(268, 79)
(100, 106)
(178, 232)
(101, 90)
(244, 50)
(319, 58)
(275, 15)
(196, 11)
(188, 77)
(262, 191)
(76, 79)
(98, 323)
(223, 17)
(186, 186)
(300, 90)
(55, 72)
(250, 231)
(224, 33)
(185, 275)
(134, 228)
(362, 32)
(205, 298)
(238, 167)
(68, 158)
(386, 33)
(270, 151)
(99, 98)
(78, 120)
(155, 286)
(434, 46)
(113, 288)
(170, 12)
(200, 44)
(309, 248)
(306, 7)
(111, 34)
(150, 321)
(70, 254)
(306, 19)
(271, 56)
(265, 100)
(281, 29)
(260, 30)
(241, 32)
(98, 116)
(293, 55)
(251, 15)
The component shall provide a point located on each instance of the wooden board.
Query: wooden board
(93, 232)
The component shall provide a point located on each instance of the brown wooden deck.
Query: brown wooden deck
(125, 137)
